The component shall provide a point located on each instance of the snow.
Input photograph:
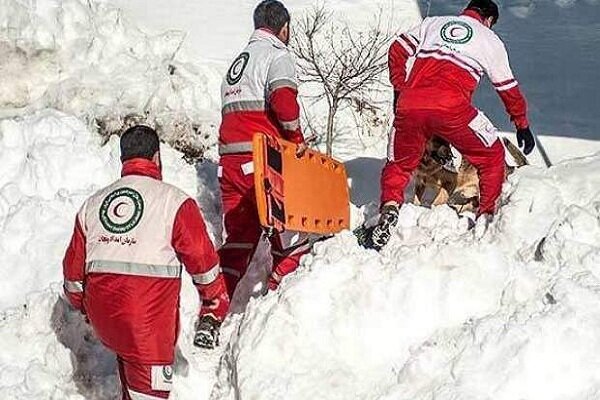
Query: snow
(442, 311)
(505, 311)
(40, 187)
(86, 59)
(51, 163)
(235, 20)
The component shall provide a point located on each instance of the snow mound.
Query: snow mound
(50, 162)
(84, 58)
(503, 312)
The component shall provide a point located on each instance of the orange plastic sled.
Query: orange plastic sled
(307, 194)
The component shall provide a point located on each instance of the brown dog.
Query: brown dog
(436, 184)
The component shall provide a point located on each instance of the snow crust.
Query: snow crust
(51, 163)
(501, 313)
(87, 59)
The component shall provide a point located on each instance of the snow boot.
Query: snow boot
(377, 236)
(207, 332)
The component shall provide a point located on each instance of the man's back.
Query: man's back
(264, 66)
(463, 41)
(132, 271)
(258, 94)
(123, 265)
(452, 54)
(122, 268)
(139, 211)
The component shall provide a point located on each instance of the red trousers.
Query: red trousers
(414, 127)
(144, 382)
(243, 230)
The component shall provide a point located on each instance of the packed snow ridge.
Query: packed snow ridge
(85, 58)
(505, 311)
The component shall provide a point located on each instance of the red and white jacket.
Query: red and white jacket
(123, 265)
(452, 53)
(259, 94)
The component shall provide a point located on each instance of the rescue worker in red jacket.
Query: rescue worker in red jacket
(451, 55)
(122, 268)
(259, 94)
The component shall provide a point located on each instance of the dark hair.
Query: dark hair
(139, 141)
(271, 14)
(485, 8)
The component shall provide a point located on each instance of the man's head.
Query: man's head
(140, 141)
(487, 9)
(272, 15)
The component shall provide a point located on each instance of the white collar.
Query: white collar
(262, 34)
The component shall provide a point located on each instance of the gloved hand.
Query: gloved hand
(212, 313)
(525, 140)
(301, 149)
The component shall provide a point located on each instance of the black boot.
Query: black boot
(207, 332)
(377, 236)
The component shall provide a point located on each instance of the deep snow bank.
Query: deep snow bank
(503, 313)
(86, 59)
(50, 163)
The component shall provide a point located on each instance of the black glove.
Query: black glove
(525, 140)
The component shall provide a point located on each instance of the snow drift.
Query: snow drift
(51, 163)
(502, 312)
(86, 59)
(40, 189)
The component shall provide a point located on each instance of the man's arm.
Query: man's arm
(403, 47)
(283, 97)
(74, 266)
(196, 251)
(507, 87)
(514, 102)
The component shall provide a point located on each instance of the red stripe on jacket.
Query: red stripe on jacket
(74, 265)
(240, 126)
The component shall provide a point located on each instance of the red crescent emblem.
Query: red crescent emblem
(452, 31)
(116, 210)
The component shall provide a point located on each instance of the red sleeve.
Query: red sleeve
(397, 57)
(404, 47)
(74, 267)
(514, 102)
(196, 251)
(284, 104)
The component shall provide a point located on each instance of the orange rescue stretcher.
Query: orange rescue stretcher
(306, 194)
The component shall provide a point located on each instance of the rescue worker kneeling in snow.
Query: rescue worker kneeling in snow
(259, 94)
(451, 54)
(122, 268)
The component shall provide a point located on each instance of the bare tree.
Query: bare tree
(346, 63)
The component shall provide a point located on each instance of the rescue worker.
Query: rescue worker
(122, 268)
(452, 53)
(259, 94)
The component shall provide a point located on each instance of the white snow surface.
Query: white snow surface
(85, 58)
(505, 311)
(441, 312)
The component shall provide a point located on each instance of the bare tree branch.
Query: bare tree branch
(347, 64)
